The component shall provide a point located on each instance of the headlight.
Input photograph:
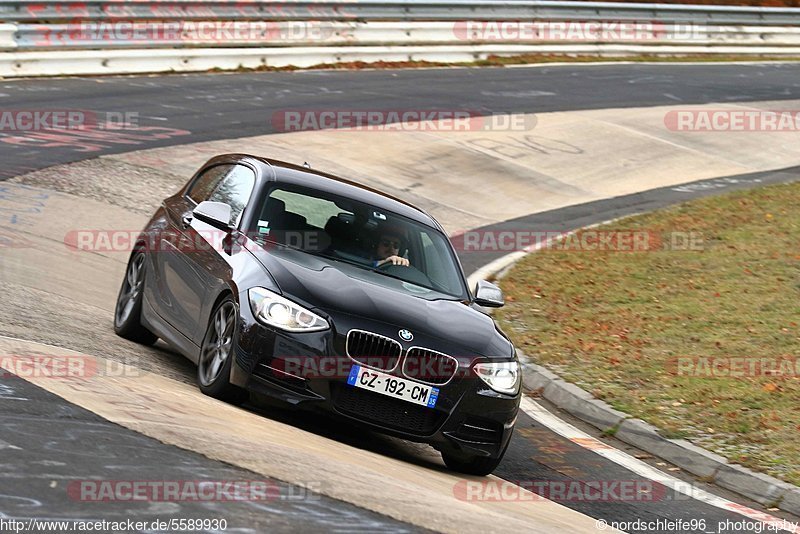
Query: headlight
(502, 377)
(274, 310)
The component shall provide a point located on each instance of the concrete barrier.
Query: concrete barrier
(90, 62)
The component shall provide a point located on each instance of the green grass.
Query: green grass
(615, 323)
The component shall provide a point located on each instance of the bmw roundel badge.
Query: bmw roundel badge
(406, 335)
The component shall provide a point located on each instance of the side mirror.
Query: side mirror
(217, 214)
(488, 295)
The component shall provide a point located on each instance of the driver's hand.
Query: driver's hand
(395, 260)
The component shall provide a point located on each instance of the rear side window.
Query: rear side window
(205, 184)
(234, 190)
(231, 184)
(317, 211)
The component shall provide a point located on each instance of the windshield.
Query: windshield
(346, 230)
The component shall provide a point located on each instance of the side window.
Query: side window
(205, 184)
(235, 189)
(317, 211)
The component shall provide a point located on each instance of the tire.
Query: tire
(128, 311)
(216, 355)
(474, 465)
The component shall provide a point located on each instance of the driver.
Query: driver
(387, 251)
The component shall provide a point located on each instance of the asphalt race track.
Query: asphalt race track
(192, 108)
(61, 440)
(47, 439)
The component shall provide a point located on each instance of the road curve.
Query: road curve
(536, 453)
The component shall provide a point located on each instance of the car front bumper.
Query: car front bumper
(310, 371)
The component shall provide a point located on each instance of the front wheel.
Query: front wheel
(128, 312)
(473, 465)
(478, 465)
(216, 356)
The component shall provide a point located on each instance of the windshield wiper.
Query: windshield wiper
(390, 275)
(406, 280)
(338, 258)
(264, 240)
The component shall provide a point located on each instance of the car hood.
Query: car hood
(333, 286)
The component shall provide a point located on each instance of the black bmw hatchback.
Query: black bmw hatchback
(328, 295)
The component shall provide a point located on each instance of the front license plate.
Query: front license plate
(393, 386)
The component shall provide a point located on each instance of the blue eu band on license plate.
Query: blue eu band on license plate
(393, 386)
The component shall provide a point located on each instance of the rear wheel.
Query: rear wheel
(216, 355)
(128, 312)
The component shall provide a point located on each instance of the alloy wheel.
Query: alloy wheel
(131, 288)
(219, 341)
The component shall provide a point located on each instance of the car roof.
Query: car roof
(290, 173)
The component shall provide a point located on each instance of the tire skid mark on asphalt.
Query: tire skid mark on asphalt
(8, 393)
(546, 418)
(5, 445)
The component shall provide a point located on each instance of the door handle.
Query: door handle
(186, 220)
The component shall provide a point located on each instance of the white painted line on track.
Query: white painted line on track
(502, 263)
(562, 428)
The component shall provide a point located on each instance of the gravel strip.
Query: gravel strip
(135, 188)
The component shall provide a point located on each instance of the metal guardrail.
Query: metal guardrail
(253, 34)
(32, 11)
(41, 37)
